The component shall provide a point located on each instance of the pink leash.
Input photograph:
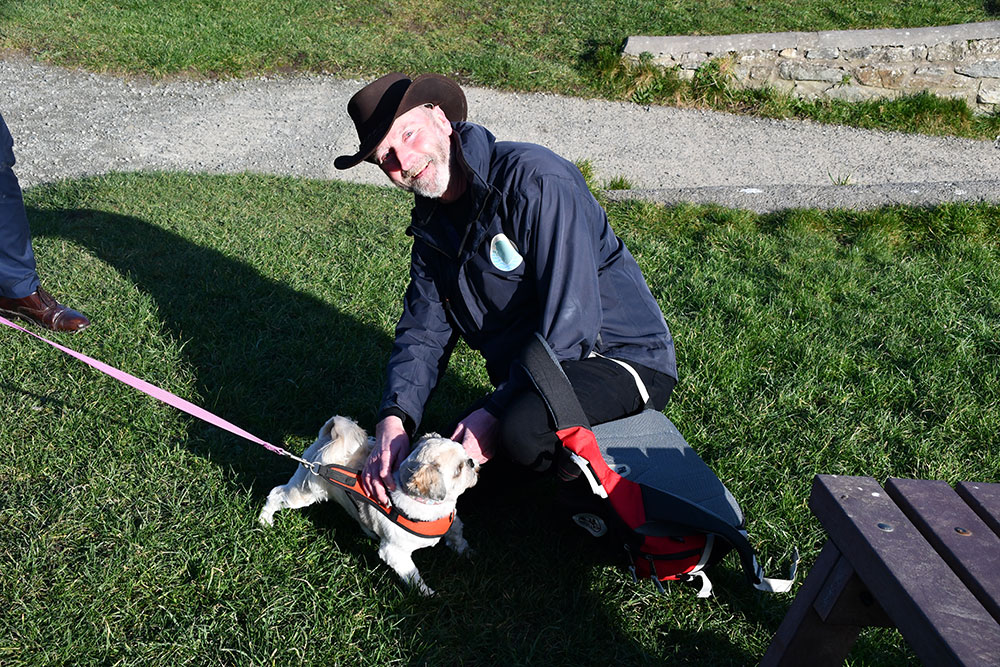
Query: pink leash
(164, 396)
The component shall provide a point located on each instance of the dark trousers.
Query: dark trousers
(17, 260)
(606, 392)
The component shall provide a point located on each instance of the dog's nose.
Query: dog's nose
(470, 463)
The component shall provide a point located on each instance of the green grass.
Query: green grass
(527, 45)
(808, 342)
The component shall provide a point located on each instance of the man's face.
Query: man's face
(416, 153)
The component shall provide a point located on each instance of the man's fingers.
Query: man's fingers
(371, 480)
(375, 489)
(385, 472)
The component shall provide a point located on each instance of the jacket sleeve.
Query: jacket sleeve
(423, 343)
(564, 233)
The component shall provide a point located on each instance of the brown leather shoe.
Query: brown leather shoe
(42, 309)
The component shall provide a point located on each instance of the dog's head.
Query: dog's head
(438, 469)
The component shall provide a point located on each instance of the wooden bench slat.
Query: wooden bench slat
(937, 615)
(984, 498)
(956, 532)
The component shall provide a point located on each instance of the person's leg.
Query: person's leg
(20, 292)
(606, 392)
(18, 278)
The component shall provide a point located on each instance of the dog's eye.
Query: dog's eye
(458, 471)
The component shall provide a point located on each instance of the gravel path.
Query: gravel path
(69, 123)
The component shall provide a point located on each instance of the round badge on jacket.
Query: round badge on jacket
(504, 254)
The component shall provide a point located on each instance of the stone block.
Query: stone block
(664, 60)
(693, 60)
(857, 53)
(823, 53)
(898, 54)
(986, 69)
(752, 76)
(877, 75)
(809, 90)
(936, 82)
(794, 71)
(989, 93)
(985, 47)
(950, 51)
(764, 75)
(783, 85)
(789, 53)
(933, 71)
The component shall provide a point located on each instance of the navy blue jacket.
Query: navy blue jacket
(526, 249)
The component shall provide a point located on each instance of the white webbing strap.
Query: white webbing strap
(595, 486)
(705, 591)
(639, 384)
(769, 585)
(699, 570)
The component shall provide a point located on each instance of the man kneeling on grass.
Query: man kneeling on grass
(507, 242)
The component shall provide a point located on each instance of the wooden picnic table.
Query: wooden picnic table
(917, 555)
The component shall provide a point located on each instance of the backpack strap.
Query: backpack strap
(545, 373)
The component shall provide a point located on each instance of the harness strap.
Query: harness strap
(347, 478)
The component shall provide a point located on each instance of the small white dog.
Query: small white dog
(428, 484)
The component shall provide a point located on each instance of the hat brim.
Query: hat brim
(425, 89)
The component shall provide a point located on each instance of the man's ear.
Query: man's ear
(441, 119)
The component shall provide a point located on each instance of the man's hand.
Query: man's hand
(391, 447)
(478, 434)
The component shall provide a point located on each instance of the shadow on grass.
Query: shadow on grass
(278, 363)
(273, 361)
(539, 592)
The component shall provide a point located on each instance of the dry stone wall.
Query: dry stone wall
(959, 61)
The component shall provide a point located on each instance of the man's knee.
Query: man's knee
(527, 435)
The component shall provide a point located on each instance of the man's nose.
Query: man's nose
(406, 158)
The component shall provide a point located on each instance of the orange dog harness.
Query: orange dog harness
(347, 478)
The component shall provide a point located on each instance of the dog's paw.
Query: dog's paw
(266, 519)
(462, 548)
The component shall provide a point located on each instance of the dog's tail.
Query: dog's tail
(353, 440)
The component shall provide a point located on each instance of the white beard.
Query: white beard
(434, 188)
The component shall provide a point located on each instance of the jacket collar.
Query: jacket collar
(473, 152)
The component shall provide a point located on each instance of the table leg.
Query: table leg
(826, 616)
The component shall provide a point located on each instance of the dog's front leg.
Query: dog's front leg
(401, 561)
(454, 539)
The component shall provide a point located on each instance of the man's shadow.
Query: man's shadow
(274, 361)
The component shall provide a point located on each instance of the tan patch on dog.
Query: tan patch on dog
(424, 480)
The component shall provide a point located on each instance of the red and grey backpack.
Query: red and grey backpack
(649, 490)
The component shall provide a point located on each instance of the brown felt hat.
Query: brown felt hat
(374, 108)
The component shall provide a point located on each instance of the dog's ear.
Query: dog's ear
(423, 480)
